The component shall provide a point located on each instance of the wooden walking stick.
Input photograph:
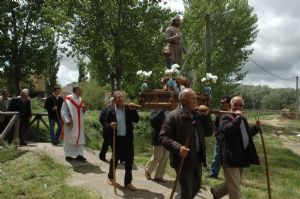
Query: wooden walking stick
(179, 170)
(266, 162)
(114, 160)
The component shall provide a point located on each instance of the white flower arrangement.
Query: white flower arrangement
(173, 71)
(144, 74)
(210, 78)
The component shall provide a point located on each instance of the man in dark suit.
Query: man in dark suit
(22, 104)
(237, 149)
(121, 118)
(183, 134)
(106, 134)
(53, 105)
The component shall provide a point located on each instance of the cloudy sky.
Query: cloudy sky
(276, 50)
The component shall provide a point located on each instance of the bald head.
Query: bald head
(188, 98)
(237, 103)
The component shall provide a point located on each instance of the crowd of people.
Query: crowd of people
(176, 135)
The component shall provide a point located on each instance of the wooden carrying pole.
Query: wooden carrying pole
(179, 170)
(114, 160)
(266, 164)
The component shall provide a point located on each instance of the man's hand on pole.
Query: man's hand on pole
(113, 125)
(183, 151)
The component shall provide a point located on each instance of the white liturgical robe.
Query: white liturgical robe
(71, 111)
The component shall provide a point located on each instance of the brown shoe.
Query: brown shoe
(148, 176)
(131, 187)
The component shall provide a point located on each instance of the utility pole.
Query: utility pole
(297, 97)
(207, 44)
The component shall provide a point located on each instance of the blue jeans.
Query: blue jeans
(54, 137)
(215, 164)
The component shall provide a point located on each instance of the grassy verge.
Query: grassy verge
(28, 175)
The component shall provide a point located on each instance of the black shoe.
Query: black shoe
(69, 158)
(81, 158)
(23, 143)
(103, 159)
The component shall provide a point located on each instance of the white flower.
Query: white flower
(210, 78)
(143, 74)
(174, 66)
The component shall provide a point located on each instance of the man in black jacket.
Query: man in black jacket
(106, 134)
(216, 162)
(121, 118)
(53, 105)
(237, 149)
(22, 104)
(160, 155)
(183, 134)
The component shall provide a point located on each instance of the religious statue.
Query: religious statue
(174, 48)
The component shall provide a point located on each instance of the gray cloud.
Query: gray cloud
(277, 45)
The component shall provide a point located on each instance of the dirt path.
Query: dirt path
(93, 176)
(291, 142)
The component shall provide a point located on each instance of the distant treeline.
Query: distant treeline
(264, 97)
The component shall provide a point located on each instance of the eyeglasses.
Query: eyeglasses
(240, 105)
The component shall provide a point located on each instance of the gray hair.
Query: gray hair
(233, 99)
(25, 91)
(118, 93)
(183, 93)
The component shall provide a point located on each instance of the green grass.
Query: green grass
(31, 175)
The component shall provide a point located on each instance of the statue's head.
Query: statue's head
(176, 21)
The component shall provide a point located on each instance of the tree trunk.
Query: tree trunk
(112, 81)
(118, 48)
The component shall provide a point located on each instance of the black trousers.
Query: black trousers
(22, 130)
(105, 144)
(3, 125)
(190, 181)
(125, 151)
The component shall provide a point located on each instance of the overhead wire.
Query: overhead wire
(270, 73)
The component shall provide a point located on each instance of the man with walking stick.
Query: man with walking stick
(237, 149)
(53, 105)
(119, 121)
(183, 134)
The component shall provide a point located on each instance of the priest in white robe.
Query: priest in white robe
(72, 112)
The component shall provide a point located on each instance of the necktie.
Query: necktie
(244, 134)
